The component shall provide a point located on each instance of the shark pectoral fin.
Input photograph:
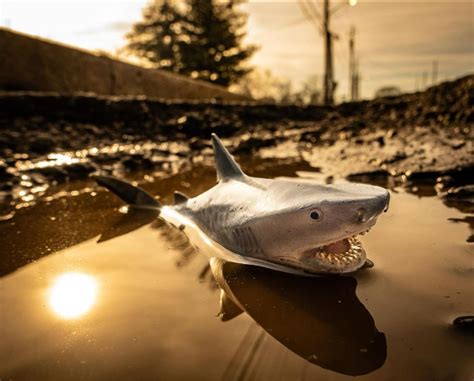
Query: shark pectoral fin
(180, 198)
(226, 166)
(229, 309)
(132, 195)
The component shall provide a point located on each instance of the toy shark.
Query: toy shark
(294, 226)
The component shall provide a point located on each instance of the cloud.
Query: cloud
(112, 27)
(119, 26)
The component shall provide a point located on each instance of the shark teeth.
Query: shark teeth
(348, 259)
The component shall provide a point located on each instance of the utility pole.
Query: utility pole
(8, 23)
(356, 80)
(321, 21)
(351, 64)
(328, 59)
(434, 73)
(353, 68)
(424, 80)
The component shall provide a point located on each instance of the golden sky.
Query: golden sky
(396, 40)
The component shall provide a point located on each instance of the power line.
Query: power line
(315, 11)
(322, 21)
(310, 16)
(293, 23)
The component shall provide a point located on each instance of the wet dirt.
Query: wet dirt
(48, 139)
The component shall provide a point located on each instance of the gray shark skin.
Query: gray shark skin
(287, 224)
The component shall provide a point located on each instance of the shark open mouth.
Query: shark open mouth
(346, 252)
(345, 255)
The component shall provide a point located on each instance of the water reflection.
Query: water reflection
(467, 220)
(128, 222)
(288, 319)
(40, 230)
(320, 319)
(73, 294)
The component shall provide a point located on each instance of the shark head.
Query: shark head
(306, 225)
(314, 227)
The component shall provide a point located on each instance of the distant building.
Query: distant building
(387, 91)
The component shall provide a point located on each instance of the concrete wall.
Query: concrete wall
(28, 63)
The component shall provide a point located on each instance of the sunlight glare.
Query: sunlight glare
(73, 294)
(352, 2)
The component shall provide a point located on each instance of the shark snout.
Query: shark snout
(365, 215)
(373, 208)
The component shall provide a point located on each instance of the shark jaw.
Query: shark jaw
(345, 255)
(342, 256)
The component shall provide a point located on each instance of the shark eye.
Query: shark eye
(315, 215)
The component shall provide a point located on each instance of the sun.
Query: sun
(73, 294)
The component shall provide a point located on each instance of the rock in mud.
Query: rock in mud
(253, 144)
(368, 176)
(4, 174)
(42, 144)
(464, 323)
(136, 162)
(463, 193)
(394, 158)
(81, 170)
(197, 144)
(53, 174)
(423, 175)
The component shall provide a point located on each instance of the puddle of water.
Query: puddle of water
(141, 304)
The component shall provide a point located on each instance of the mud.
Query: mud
(50, 139)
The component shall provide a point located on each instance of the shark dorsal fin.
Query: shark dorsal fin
(180, 198)
(226, 166)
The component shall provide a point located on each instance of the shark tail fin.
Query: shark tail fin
(132, 195)
(226, 166)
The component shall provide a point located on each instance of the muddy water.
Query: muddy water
(90, 293)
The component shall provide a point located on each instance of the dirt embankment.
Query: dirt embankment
(49, 138)
(32, 63)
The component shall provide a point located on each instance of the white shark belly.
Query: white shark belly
(212, 249)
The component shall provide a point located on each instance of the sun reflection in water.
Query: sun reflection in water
(73, 294)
